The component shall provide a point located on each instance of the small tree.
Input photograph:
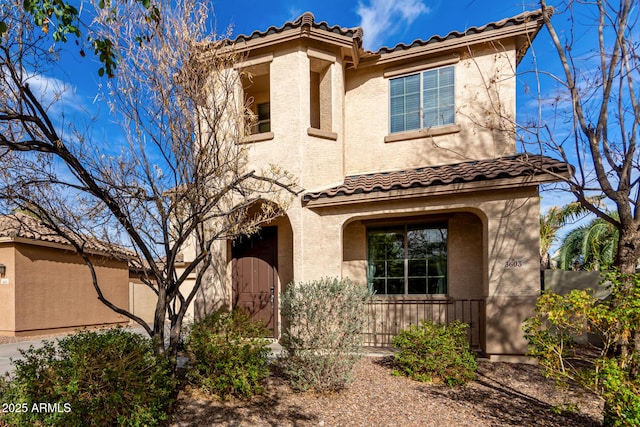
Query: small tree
(599, 85)
(551, 222)
(179, 178)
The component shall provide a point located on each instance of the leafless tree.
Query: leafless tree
(177, 178)
(592, 118)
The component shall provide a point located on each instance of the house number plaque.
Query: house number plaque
(514, 263)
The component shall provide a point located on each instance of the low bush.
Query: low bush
(323, 335)
(92, 378)
(609, 366)
(229, 354)
(436, 352)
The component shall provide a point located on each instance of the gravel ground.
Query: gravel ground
(505, 394)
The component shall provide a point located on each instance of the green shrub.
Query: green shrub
(620, 392)
(610, 368)
(109, 377)
(230, 354)
(323, 335)
(435, 351)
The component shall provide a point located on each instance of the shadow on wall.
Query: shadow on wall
(562, 282)
(513, 271)
(213, 293)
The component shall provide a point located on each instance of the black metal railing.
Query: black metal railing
(386, 317)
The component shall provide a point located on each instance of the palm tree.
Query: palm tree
(555, 218)
(589, 247)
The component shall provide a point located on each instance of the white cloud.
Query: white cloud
(50, 90)
(381, 18)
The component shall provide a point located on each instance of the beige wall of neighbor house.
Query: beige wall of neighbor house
(53, 290)
(143, 300)
(7, 290)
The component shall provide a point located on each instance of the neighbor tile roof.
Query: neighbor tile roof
(28, 227)
(479, 170)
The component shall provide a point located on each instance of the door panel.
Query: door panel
(254, 275)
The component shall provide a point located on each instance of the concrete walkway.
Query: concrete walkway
(12, 350)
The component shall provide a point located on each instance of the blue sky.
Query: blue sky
(385, 22)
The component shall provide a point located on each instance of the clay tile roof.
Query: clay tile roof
(306, 19)
(507, 22)
(480, 170)
(27, 227)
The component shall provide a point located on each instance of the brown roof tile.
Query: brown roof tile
(306, 19)
(27, 227)
(479, 170)
(507, 22)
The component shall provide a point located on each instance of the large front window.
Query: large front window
(408, 259)
(422, 100)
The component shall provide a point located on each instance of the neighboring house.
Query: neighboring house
(46, 287)
(412, 181)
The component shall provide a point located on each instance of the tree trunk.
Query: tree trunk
(628, 251)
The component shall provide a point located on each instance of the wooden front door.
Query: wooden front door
(254, 273)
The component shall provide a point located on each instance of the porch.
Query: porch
(387, 317)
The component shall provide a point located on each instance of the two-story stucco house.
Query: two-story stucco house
(412, 182)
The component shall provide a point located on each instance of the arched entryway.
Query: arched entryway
(261, 267)
(254, 274)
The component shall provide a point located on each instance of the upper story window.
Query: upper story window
(422, 100)
(257, 88)
(264, 118)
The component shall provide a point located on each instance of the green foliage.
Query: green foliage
(230, 354)
(323, 335)
(620, 392)
(109, 377)
(556, 218)
(610, 369)
(433, 351)
(62, 15)
(64, 19)
(589, 247)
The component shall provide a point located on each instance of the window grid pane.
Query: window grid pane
(405, 103)
(422, 100)
(438, 100)
(408, 260)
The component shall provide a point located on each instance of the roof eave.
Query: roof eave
(523, 34)
(304, 32)
(64, 247)
(435, 190)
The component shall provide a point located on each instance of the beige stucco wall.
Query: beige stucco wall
(465, 253)
(7, 290)
(53, 290)
(313, 160)
(481, 132)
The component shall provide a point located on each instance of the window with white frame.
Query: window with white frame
(422, 100)
(407, 259)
